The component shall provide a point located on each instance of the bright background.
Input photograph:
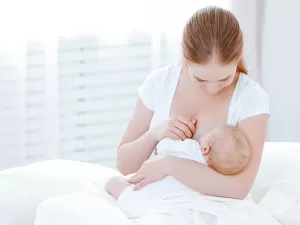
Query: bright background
(69, 70)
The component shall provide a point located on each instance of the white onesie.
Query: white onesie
(133, 201)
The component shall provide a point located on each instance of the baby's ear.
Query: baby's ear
(205, 150)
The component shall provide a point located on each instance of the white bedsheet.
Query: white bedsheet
(222, 211)
(283, 201)
(22, 189)
(192, 209)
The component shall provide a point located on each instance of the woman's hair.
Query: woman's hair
(213, 32)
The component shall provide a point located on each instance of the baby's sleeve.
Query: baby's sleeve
(254, 101)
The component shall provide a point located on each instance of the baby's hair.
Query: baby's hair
(229, 152)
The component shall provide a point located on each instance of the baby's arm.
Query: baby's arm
(115, 186)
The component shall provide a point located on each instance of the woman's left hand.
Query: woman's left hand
(152, 170)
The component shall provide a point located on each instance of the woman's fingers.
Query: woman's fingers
(140, 185)
(173, 135)
(139, 180)
(177, 132)
(189, 123)
(136, 178)
(183, 127)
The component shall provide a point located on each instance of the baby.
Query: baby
(224, 149)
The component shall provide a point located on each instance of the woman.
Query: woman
(210, 86)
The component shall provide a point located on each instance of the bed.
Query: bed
(22, 189)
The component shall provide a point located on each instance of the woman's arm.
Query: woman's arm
(206, 181)
(137, 143)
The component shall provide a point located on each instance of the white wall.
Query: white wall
(280, 68)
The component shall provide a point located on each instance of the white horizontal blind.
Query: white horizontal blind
(98, 92)
(35, 116)
(164, 50)
(12, 109)
(93, 101)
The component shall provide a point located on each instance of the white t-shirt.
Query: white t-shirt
(157, 92)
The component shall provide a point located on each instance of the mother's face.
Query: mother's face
(212, 77)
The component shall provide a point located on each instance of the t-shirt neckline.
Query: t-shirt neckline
(175, 85)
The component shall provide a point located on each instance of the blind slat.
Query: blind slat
(96, 92)
(104, 54)
(100, 130)
(114, 103)
(117, 65)
(113, 78)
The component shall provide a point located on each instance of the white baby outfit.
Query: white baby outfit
(133, 201)
(187, 149)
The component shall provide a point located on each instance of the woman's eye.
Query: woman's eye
(226, 79)
(200, 80)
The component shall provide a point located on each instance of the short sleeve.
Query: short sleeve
(148, 90)
(254, 101)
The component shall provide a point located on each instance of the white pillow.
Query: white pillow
(22, 189)
(79, 209)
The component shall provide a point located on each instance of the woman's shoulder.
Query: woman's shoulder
(163, 75)
(250, 98)
(155, 83)
(247, 87)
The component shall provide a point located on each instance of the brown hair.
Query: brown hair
(213, 31)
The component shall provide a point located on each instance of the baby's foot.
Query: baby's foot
(115, 186)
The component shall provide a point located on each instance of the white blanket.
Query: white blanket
(192, 209)
(283, 201)
(222, 211)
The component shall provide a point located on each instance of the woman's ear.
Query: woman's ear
(205, 150)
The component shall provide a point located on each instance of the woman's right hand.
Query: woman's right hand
(176, 128)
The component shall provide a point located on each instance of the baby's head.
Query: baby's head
(225, 149)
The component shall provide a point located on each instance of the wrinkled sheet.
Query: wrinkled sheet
(283, 201)
(188, 209)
